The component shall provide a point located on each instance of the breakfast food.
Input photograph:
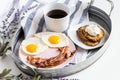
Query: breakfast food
(53, 39)
(48, 43)
(90, 35)
(32, 46)
(51, 62)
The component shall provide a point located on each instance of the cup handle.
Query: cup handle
(71, 9)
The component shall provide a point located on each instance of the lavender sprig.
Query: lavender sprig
(6, 35)
(7, 31)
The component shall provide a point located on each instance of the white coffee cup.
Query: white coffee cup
(56, 24)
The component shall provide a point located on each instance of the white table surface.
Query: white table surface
(107, 67)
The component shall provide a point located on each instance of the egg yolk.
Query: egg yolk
(54, 39)
(32, 48)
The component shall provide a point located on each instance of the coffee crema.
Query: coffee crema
(56, 14)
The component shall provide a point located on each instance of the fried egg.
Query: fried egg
(33, 46)
(53, 39)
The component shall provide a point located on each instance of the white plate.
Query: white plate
(73, 35)
(50, 52)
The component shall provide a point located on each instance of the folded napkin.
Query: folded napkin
(28, 15)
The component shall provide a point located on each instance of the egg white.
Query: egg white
(33, 40)
(45, 36)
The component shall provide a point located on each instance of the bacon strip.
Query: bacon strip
(54, 61)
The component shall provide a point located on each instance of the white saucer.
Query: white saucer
(73, 36)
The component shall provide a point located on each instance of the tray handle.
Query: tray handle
(20, 63)
(111, 3)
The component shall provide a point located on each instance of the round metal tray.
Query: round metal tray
(95, 14)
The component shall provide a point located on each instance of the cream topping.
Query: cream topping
(92, 30)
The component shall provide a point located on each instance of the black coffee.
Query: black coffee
(57, 13)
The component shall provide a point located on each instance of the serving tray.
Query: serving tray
(96, 15)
